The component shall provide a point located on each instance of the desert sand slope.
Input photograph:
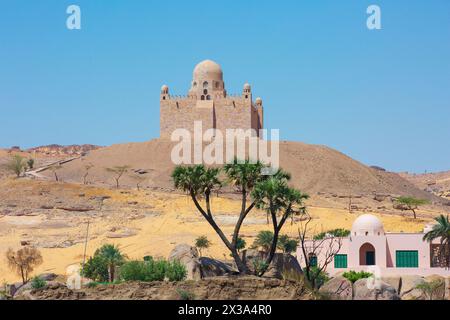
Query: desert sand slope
(437, 183)
(314, 169)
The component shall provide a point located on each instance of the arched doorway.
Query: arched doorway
(367, 255)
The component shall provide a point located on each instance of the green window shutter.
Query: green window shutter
(313, 261)
(407, 259)
(340, 261)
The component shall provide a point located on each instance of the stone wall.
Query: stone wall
(220, 113)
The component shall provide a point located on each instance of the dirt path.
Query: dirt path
(35, 173)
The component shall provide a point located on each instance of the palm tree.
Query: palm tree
(263, 240)
(441, 230)
(113, 258)
(244, 175)
(286, 244)
(199, 181)
(275, 197)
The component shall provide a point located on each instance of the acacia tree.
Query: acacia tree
(54, 168)
(201, 243)
(23, 261)
(118, 171)
(17, 164)
(326, 247)
(86, 172)
(138, 179)
(411, 203)
(441, 231)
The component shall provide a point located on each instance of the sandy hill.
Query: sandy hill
(314, 168)
(437, 183)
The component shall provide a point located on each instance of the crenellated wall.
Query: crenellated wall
(231, 112)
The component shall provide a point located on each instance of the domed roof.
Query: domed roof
(247, 86)
(367, 225)
(208, 70)
(258, 100)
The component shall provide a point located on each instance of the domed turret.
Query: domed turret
(258, 101)
(164, 89)
(367, 225)
(207, 81)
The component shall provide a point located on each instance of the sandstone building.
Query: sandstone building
(208, 101)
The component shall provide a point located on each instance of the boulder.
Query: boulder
(338, 288)
(48, 276)
(366, 289)
(188, 256)
(214, 268)
(19, 288)
(439, 286)
(281, 266)
(408, 288)
(393, 281)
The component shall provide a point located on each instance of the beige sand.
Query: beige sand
(171, 220)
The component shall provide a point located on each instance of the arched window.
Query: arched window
(164, 98)
(205, 84)
(205, 91)
(203, 98)
(195, 84)
(208, 97)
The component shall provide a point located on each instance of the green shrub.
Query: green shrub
(320, 277)
(152, 270)
(176, 271)
(96, 268)
(102, 266)
(259, 265)
(38, 283)
(185, 295)
(354, 276)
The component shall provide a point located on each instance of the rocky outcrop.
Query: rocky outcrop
(447, 288)
(338, 288)
(281, 265)
(393, 281)
(438, 284)
(188, 256)
(409, 289)
(378, 290)
(219, 288)
(214, 268)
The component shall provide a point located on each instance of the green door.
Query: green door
(407, 259)
(340, 261)
(370, 258)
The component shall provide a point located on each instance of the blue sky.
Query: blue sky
(381, 97)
